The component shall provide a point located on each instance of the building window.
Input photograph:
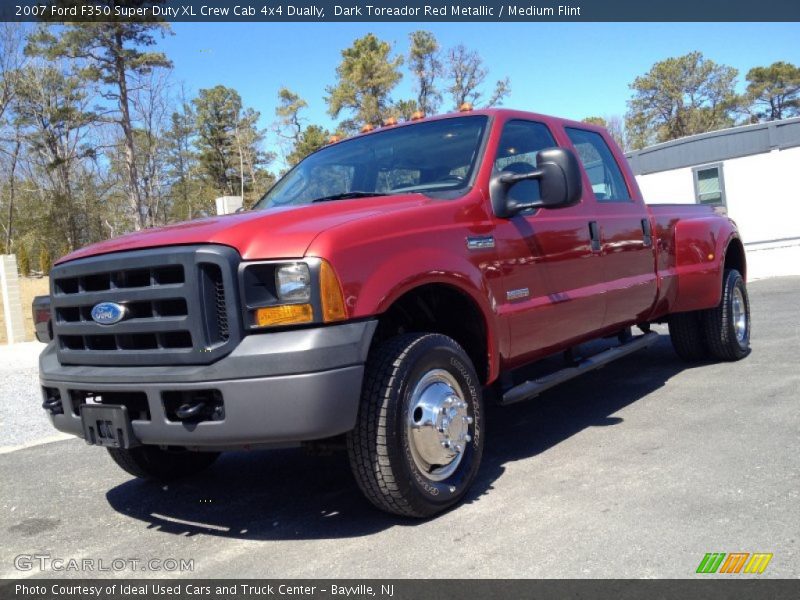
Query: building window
(709, 185)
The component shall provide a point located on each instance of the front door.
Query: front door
(551, 275)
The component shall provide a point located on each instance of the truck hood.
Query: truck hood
(284, 232)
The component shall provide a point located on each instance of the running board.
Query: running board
(531, 389)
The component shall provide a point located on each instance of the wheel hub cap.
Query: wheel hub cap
(739, 315)
(438, 424)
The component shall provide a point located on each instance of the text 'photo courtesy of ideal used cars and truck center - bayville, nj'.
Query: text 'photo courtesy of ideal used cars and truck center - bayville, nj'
(399, 300)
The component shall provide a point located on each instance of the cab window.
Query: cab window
(604, 173)
(516, 152)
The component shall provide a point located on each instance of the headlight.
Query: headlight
(293, 283)
(279, 294)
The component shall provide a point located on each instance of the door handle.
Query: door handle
(648, 233)
(594, 235)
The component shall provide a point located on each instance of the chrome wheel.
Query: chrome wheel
(438, 424)
(739, 315)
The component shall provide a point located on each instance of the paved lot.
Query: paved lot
(637, 470)
(21, 421)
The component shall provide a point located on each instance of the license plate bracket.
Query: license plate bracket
(107, 425)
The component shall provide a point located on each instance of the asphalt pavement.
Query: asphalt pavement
(636, 470)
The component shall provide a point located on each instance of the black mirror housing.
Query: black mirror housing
(560, 183)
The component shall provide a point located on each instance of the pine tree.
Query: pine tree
(366, 76)
(111, 54)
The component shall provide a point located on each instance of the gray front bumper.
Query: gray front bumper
(277, 387)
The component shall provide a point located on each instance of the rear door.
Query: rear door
(623, 239)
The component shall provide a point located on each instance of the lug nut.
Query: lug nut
(468, 420)
(467, 438)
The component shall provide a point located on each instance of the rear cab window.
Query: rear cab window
(608, 183)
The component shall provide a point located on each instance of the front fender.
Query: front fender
(394, 277)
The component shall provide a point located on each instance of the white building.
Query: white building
(753, 171)
(227, 205)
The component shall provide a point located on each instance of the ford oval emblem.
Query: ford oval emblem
(108, 313)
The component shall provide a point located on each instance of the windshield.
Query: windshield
(426, 157)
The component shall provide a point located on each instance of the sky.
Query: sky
(571, 70)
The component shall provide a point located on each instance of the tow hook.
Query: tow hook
(53, 405)
(189, 411)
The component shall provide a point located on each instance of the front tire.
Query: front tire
(418, 441)
(151, 462)
(727, 327)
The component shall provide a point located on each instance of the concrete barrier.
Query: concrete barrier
(779, 258)
(12, 300)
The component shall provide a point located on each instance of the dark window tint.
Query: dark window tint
(709, 185)
(607, 181)
(516, 152)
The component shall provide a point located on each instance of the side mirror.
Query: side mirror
(560, 185)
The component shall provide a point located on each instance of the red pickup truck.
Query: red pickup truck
(377, 293)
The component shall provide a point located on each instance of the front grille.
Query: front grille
(213, 292)
(180, 306)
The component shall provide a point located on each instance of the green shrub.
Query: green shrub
(23, 261)
(45, 260)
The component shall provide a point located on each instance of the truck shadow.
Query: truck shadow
(287, 494)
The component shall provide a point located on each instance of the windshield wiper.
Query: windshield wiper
(346, 195)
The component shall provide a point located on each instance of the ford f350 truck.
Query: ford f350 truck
(377, 293)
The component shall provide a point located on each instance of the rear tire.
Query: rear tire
(151, 462)
(418, 441)
(727, 327)
(686, 334)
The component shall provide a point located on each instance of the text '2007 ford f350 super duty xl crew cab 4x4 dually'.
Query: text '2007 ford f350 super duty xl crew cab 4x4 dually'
(377, 293)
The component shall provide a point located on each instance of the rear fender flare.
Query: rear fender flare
(700, 245)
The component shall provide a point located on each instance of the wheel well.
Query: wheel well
(439, 308)
(734, 257)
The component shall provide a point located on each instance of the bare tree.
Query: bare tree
(150, 108)
(11, 61)
(466, 73)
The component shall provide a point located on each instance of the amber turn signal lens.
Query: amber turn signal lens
(287, 314)
(466, 107)
(332, 298)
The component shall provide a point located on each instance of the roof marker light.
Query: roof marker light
(465, 107)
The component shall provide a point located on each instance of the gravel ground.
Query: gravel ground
(22, 422)
(636, 470)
